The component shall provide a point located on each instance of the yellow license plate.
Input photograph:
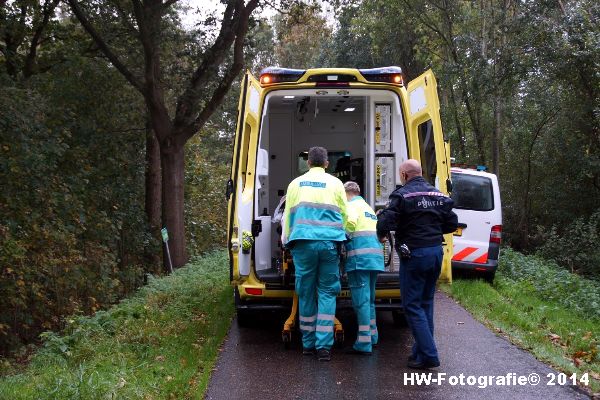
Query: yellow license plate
(458, 232)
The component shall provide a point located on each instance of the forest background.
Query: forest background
(519, 86)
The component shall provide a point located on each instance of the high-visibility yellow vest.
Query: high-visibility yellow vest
(315, 208)
(364, 251)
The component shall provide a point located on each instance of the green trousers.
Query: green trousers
(362, 290)
(317, 286)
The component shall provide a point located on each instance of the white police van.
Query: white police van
(477, 203)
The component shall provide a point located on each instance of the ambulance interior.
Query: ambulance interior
(364, 134)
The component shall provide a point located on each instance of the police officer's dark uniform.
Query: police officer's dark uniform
(419, 214)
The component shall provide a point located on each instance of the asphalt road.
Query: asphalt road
(254, 365)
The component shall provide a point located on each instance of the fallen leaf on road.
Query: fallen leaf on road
(553, 336)
(587, 336)
(576, 361)
(160, 358)
(169, 378)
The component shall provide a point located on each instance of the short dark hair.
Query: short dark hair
(317, 156)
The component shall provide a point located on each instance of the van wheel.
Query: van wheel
(489, 277)
(399, 318)
(244, 317)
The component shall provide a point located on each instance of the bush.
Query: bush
(551, 282)
(577, 247)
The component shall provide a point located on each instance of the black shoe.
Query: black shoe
(422, 365)
(309, 352)
(324, 355)
(358, 352)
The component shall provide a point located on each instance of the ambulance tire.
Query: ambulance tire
(244, 317)
(399, 318)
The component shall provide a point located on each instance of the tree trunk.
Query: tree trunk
(153, 191)
(173, 176)
(497, 134)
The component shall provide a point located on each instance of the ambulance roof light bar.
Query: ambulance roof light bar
(392, 74)
(271, 75)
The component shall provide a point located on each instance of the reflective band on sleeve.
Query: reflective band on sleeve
(307, 328)
(373, 331)
(362, 233)
(373, 322)
(314, 205)
(364, 328)
(326, 317)
(308, 319)
(363, 339)
(321, 328)
(358, 252)
(415, 194)
(318, 223)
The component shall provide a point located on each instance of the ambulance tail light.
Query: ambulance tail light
(254, 291)
(385, 74)
(273, 75)
(496, 234)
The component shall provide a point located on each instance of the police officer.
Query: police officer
(364, 260)
(420, 215)
(315, 216)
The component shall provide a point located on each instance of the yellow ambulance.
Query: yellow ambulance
(369, 120)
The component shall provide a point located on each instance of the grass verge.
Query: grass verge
(533, 305)
(161, 343)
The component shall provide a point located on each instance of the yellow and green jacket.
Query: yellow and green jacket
(315, 208)
(364, 251)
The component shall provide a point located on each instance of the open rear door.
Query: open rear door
(240, 187)
(427, 143)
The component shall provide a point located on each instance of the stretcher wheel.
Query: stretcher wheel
(339, 339)
(286, 337)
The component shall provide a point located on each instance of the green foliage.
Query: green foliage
(576, 248)
(162, 342)
(549, 281)
(73, 234)
(543, 309)
(208, 167)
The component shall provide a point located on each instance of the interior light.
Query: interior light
(349, 109)
(289, 97)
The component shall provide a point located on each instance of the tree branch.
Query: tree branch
(112, 57)
(30, 59)
(213, 57)
(230, 75)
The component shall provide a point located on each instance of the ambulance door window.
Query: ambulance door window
(427, 149)
(245, 149)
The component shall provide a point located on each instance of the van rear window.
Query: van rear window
(471, 192)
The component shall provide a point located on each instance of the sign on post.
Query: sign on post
(165, 238)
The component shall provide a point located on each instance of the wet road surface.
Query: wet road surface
(254, 364)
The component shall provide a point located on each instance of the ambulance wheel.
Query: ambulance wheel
(339, 339)
(399, 318)
(244, 317)
(286, 337)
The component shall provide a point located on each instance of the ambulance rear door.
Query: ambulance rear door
(426, 143)
(240, 186)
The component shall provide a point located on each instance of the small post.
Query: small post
(165, 238)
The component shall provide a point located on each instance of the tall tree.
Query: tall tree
(174, 124)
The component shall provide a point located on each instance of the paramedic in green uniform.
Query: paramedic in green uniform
(364, 261)
(314, 221)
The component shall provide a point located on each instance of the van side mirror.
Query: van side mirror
(449, 185)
